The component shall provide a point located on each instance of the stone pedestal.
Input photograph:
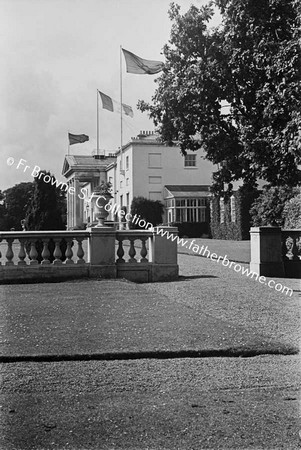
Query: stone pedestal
(165, 254)
(266, 251)
(102, 253)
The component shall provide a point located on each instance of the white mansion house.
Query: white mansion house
(146, 168)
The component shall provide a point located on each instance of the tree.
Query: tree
(252, 65)
(47, 207)
(149, 210)
(46, 211)
(15, 204)
(292, 212)
(269, 207)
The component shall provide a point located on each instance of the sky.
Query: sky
(55, 54)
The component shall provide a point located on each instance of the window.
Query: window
(190, 161)
(111, 180)
(155, 180)
(211, 209)
(233, 209)
(170, 203)
(127, 201)
(191, 210)
(121, 184)
(154, 160)
(127, 163)
(127, 182)
(121, 200)
(222, 210)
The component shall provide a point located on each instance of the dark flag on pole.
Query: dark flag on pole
(77, 138)
(135, 64)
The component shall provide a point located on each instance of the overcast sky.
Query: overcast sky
(55, 54)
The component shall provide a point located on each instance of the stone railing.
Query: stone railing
(291, 252)
(276, 252)
(31, 255)
(57, 247)
(141, 256)
(134, 254)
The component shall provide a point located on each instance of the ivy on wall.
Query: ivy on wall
(240, 228)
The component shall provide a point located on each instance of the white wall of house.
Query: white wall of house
(149, 166)
(143, 168)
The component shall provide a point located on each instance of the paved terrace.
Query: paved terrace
(100, 364)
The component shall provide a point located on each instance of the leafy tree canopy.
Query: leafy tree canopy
(292, 212)
(252, 63)
(269, 207)
(47, 208)
(15, 203)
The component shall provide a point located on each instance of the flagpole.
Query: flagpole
(121, 130)
(97, 118)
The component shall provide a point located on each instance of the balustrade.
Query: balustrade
(141, 255)
(136, 242)
(34, 248)
(291, 245)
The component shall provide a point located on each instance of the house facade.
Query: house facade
(145, 167)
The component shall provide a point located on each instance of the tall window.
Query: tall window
(222, 210)
(233, 209)
(127, 163)
(190, 161)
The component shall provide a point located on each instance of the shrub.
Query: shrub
(292, 212)
(268, 207)
(149, 210)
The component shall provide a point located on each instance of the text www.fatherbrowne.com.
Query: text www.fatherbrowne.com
(204, 251)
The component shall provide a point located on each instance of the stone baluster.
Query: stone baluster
(69, 252)
(132, 251)
(80, 251)
(45, 252)
(143, 251)
(57, 252)
(9, 253)
(120, 251)
(33, 254)
(289, 247)
(22, 253)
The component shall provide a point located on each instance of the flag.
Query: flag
(127, 110)
(77, 138)
(111, 105)
(135, 64)
(107, 102)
